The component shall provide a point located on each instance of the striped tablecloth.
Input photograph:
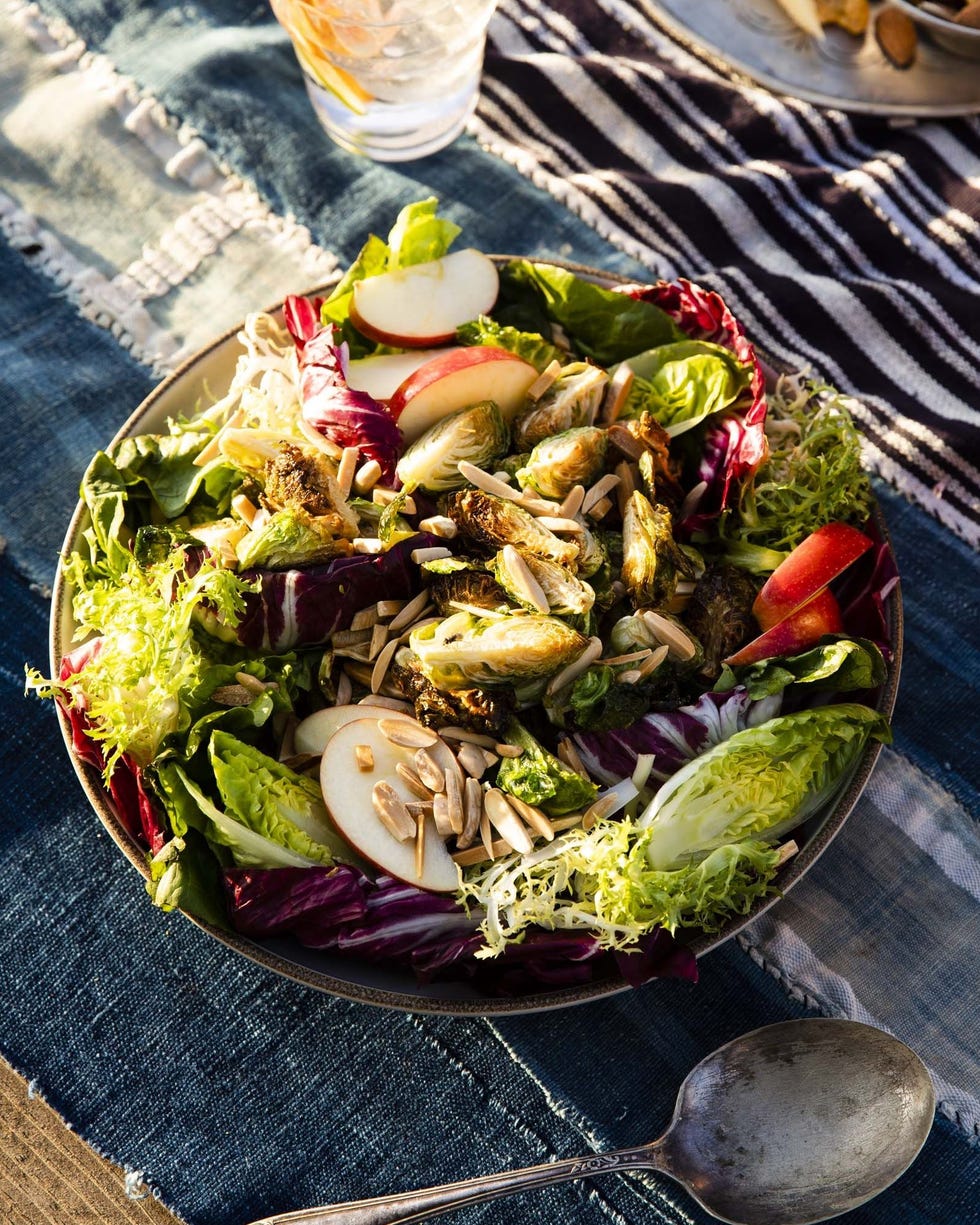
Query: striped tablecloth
(161, 173)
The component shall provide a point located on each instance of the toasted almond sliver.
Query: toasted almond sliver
(442, 817)
(419, 846)
(538, 506)
(364, 758)
(320, 441)
(366, 619)
(429, 771)
(556, 523)
(366, 544)
(681, 645)
(388, 608)
(472, 760)
(616, 394)
(539, 822)
(656, 658)
(629, 677)
(572, 821)
(786, 851)
(346, 468)
(407, 732)
(508, 750)
(380, 670)
(482, 854)
(602, 807)
(603, 486)
(379, 636)
(473, 811)
(573, 502)
(433, 553)
(439, 525)
(392, 812)
(253, 682)
(627, 483)
(349, 638)
(486, 836)
(454, 800)
(630, 658)
(413, 782)
(377, 699)
(505, 820)
(408, 613)
(568, 753)
(489, 484)
(213, 448)
(576, 667)
(544, 380)
(465, 735)
(528, 585)
(358, 671)
(244, 507)
(599, 510)
(367, 476)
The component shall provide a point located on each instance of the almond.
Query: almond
(896, 37)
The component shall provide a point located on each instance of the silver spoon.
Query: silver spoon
(789, 1124)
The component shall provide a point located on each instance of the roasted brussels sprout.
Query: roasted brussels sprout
(469, 583)
(496, 521)
(464, 650)
(302, 477)
(652, 560)
(487, 711)
(645, 440)
(478, 434)
(566, 595)
(572, 400)
(719, 614)
(291, 537)
(557, 464)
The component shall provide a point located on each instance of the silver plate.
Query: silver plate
(756, 38)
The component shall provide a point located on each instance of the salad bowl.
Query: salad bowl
(201, 380)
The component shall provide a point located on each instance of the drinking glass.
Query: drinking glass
(392, 79)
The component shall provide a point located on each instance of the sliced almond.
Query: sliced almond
(392, 812)
(786, 851)
(520, 574)
(599, 510)
(472, 760)
(569, 673)
(388, 608)
(346, 469)
(439, 525)
(486, 835)
(505, 820)
(473, 811)
(408, 613)
(366, 544)
(557, 523)
(244, 507)
(442, 817)
(653, 661)
(544, 380)
(489, 484)
(376, 699)
(603, 486)
(572, 503)
(463, 734)
(629, 677)
(432, 553)
(413, 782)
(566, 751)
(897, 37)
(379, 636)
(429, 771)
(538, 821)
(484, 853)
(380, 670)
(407, 732)
(681, 645)
(602, 807)
(420, 846)
(616, 394)
(349, 638)
(508, 750)
(454, 801)
(367, 476)
(366, 619)
(364, 758)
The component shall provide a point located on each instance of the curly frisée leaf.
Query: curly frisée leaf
(134, 688)
(602, 881)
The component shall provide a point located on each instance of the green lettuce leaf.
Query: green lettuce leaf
(838, 664)
(602, 324)
(759, 783)
(529, 345)
(185, 876)
(681, 384)
(540, 778)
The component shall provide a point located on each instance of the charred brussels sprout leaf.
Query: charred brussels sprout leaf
(558, 464)
(291, 537)
(652, 560)
(496, 521)
(464, 650)
(478, 434)
(572, 400)
(719, 614)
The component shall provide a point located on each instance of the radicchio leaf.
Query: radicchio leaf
(736, 446)
(347, 417)
(674, 736)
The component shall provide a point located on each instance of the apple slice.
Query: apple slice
(814, 563)
(424, 304)
(347, 793)
(313, 732)
(382, 375)
(795, 633)
(457, 378)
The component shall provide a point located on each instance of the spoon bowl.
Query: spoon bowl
(787, 1125)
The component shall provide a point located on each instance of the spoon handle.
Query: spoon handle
(419, 1205)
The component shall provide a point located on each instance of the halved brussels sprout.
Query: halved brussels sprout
(478, 434)
(291, 537)
(464, 650)
(557, 464)
(567, 595)
(496, 521)
(573, 399)
(652, 559)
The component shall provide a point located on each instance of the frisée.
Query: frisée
(495, 622)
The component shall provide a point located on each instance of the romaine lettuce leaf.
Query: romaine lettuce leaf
(529, 345)
(839, 664)
(759, 783)
(538, 777)
(681, 384)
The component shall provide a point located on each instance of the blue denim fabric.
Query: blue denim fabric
(237, 1093)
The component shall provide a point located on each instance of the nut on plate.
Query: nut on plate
(897, 37)
(850, 15)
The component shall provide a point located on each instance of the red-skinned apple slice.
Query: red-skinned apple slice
(347, 793)
(814, 563)
(423, 305)
(457, 378)
(802, 629)
(382, 375)
(314, 732)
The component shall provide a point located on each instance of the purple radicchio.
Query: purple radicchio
(347, 417)
(673, 736)
(735, 446)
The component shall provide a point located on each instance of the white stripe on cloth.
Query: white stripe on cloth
(162, 230)
(888, 921)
